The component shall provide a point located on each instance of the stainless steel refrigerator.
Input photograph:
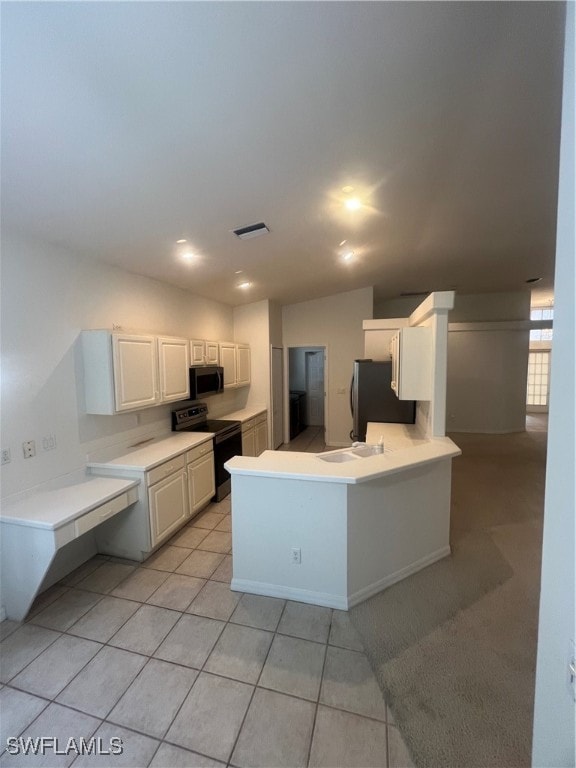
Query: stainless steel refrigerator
(372, 398)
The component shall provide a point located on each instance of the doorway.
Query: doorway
(306, 374)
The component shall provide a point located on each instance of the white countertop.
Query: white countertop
(54, 508)
(404, 448)
(155, 452)
(245, 413)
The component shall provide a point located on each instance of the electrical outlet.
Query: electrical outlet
(6, 459)
(296, 555)
(29, 449)
(49, 442)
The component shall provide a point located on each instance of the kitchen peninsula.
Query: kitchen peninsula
(335, 528)
(332, 532)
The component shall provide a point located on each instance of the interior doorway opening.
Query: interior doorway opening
(306, 374)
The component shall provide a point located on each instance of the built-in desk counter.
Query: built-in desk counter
(36, 526)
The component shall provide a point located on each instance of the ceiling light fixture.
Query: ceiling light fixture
(342, 243)
(353, 204)
(188, 255)
(348, 256)
(179, 242)
(246, 284)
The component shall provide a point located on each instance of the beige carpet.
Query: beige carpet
(454, 646)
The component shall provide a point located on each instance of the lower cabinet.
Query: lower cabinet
(168, 500)
(255, 435)
(248, 442)
(201, 479)
(261, 434)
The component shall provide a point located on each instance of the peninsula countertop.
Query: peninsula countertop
(404, 448)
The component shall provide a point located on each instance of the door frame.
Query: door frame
(282, 409)
(287, 347)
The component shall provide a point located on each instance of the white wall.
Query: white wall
(334, 322)
(252, 325)
(48, 297)
(487, 368)
(486, 389)
(554, 716)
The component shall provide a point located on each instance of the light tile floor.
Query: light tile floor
(164, 656)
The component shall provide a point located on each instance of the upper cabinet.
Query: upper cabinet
(128, 372)
(227, 352)
(235, 359)
(134, 372)
(242, 365)
(204, 352)
(411, 352)
(173, 364)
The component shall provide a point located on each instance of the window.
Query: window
(541, 313)
(538, 378)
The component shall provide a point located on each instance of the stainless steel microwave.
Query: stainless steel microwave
(206, 380)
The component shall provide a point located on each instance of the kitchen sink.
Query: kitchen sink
(349, 454)
(338, 458)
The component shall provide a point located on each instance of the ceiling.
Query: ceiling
(129, 126)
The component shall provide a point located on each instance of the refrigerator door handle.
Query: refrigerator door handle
(352, 396)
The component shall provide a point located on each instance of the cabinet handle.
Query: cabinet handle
(104, 515)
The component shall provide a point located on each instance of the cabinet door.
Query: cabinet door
(201, 482)
(168, 505)
(260, 438)
(248, 443)
(228, 362)
(174, 362)
(212, 356)
(242, 364)
(197, 352)
(135, 377)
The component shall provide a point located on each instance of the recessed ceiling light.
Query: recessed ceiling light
(342, 243)
(348, 189)
(244, 285)
(353, 204)
(348, 256)
(179, 242)
(188, 255)
(238, 272)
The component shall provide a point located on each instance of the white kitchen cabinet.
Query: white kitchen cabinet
(173, 363)
(197, 352)
(167, 499)
(248, 438)
(120, 371)
(204, 352)
(212, 353)
(128, 372)
(242, 365)
(261, 434)
(227, 354)
(255, 435)
(201, 477)
(411, 352)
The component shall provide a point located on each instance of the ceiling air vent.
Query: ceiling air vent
(254, 230)
(412, 294)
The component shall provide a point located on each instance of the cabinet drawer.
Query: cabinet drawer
(199, 451)
(96, 516)
(248, 425)
(163, 470)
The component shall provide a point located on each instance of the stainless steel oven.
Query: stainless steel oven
(227, 440)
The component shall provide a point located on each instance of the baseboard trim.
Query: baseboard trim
(393, 578)
(290, 593)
